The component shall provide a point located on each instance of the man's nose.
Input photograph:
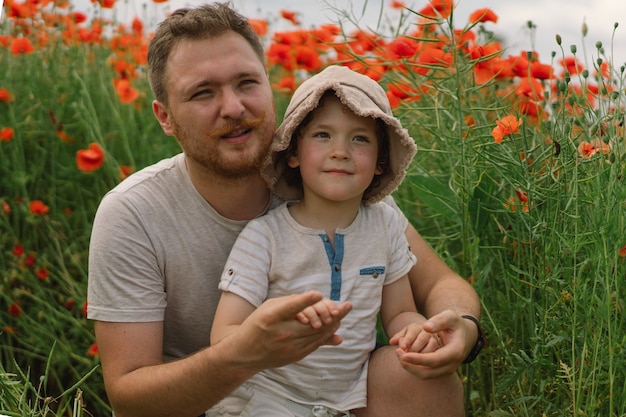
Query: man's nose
(231, 104)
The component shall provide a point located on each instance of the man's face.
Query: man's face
(221, 108)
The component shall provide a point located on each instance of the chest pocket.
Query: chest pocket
(372, 271)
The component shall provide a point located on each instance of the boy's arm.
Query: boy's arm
(231, 311)
(402, 323)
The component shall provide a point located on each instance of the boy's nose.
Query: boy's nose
(340, 150)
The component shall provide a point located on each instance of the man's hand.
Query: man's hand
(272, 336)
(457, 338)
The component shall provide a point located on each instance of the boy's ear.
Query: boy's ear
(293, 161)
(379, 169)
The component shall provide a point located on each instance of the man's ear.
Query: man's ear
(163, 116)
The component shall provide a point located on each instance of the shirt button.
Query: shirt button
(230, 271)
(337, 267)
(375, 274)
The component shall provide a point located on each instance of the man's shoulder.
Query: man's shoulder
(145, 190)
(164, 170)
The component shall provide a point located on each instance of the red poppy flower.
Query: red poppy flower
(291, 16)
(531, 88)
(29, 261)
(589, 149)
(395, 4)
(38, 207)
(69, 304)
(18, 250)
(93, 350)
(125, 91)
(280, 54)
(125, 171)
(434, 56)
(622, 251)
(402, 47)
(79, 17)
(438, 8)
(259, 26)
(88, 160)
(6, 134)
(15, 309)
(504, 127)
(21, 45)
(483, 15)
(42, 273)
(541, 71)
(394, 100)
(106, 4)
(64, 137)
(286, 84)
(571, 65)
(308, 58)
(521, 201)
(5, 95)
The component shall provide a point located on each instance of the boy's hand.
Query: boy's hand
(320, 313)
(413, 338)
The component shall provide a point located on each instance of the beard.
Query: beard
(240, 161)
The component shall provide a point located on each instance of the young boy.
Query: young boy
(338, 152)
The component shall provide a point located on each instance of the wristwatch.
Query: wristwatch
(480, 342)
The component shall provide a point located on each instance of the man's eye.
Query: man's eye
(248, 82)
(202, 93)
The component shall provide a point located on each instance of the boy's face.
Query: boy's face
(337, 153)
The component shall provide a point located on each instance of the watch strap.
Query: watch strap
(480, 341)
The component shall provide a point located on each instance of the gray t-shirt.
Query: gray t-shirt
(157, 252)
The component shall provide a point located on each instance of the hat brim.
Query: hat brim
(366, 98)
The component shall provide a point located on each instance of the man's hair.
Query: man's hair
(202, 22)
(293, 176)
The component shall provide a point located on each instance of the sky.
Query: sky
(550, 17)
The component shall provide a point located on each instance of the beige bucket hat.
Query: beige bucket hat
(365, 97)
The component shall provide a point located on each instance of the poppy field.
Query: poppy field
(519, 184)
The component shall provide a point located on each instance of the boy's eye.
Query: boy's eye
(363, 139)
(321, 135)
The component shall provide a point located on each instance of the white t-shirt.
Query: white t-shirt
(275, 256)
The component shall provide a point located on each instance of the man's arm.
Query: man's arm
(138, 383)
(443, 297)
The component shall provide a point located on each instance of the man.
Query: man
(160, 240)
